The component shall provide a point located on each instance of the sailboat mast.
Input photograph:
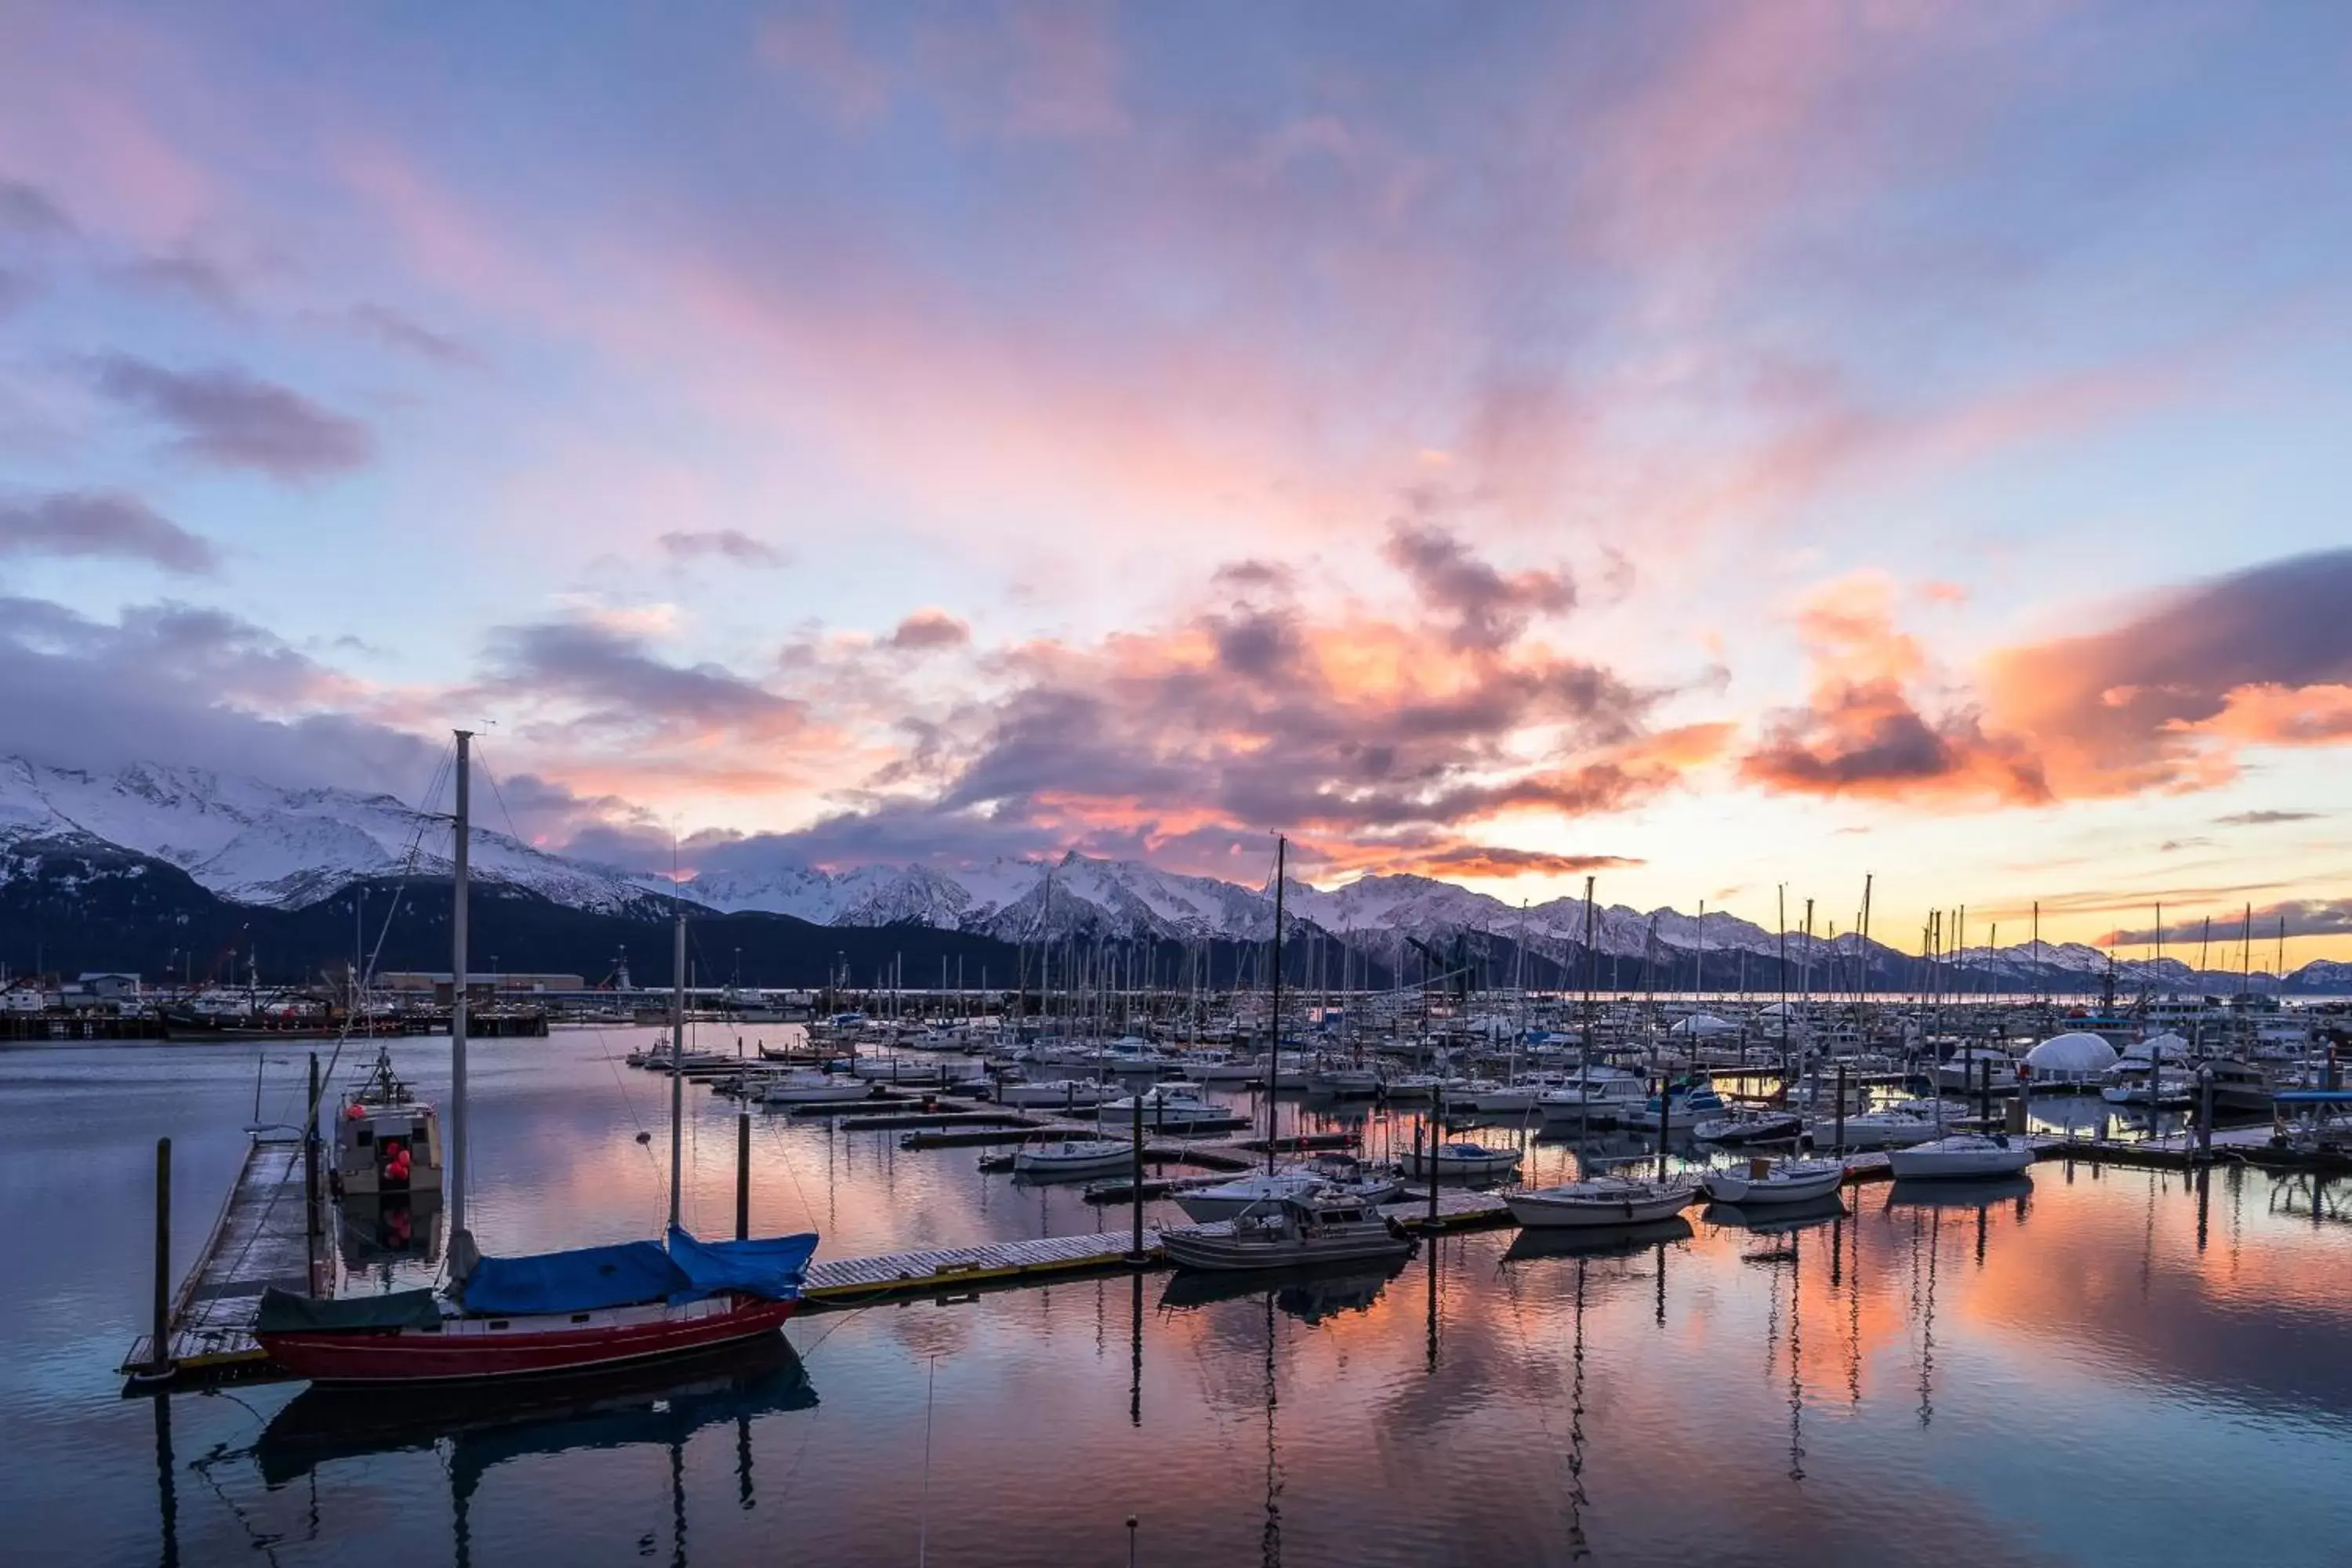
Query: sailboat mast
(462, 836)
(676, 1065)
(1274, 1053)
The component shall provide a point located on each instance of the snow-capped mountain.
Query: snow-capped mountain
(255, 843)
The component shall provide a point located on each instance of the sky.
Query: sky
(1718, 448)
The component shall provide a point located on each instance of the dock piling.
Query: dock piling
(1437, 1108)
(160, 1347)
(1135, 1254)
(1841, 1109)
(743, 1173)
(310, 1159)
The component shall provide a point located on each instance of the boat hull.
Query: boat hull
(1732, 1187)
(1206, 1249)
(1598, 1212)
(1927, 1164)
(413, 1355)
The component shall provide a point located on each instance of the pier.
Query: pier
(260, 1241)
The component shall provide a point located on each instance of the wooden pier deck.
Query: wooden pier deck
(258, 1241)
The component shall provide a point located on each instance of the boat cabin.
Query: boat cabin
(386, 1141)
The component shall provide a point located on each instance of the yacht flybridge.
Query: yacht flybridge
(559, 1312)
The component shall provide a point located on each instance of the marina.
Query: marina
(929, 1256)
(262, 1238)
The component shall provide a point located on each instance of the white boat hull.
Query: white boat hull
(1067, 1095)
(1599, 1205)
(1782, 1186)
(1093, 1162)
(1494, 1165)
(1954, 1159)
(839, 1092)
(1216, 1246)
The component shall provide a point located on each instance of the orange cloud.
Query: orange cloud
(1861, 733)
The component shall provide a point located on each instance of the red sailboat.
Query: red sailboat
(552, 1312)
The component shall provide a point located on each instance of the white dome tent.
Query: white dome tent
(2076, 1057)
(2173, 1047)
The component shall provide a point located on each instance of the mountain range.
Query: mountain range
(259, 847)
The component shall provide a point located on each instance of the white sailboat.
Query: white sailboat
(1775, 1182)
(1601, 1200)
(1073, 1157)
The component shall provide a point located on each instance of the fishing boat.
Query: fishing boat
(387, 1142)
(1775, 1182)
(1961, 1156)
(1285, 1232)
(552, 1312)
(1751, 1127)
(1459, 1162)
(1073, 1157)
(1601, 1200)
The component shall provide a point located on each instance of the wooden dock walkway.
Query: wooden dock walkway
(258, 1241)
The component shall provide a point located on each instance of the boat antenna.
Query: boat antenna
(462, 1253)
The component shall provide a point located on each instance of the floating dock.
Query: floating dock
(259, 1241)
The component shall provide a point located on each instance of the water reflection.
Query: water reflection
(1777, 1219)
(474, 1429)
(1601, 1241)
(1310, 1293)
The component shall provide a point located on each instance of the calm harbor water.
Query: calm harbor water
(2097, 1366)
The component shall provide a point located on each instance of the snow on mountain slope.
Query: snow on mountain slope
(256, 843)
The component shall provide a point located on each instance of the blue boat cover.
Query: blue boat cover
(770, 1267)
(577, 1282)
